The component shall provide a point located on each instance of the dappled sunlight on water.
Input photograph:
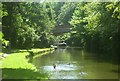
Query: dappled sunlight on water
(64, 71)
(76, 64)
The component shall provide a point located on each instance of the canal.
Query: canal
(77, 64)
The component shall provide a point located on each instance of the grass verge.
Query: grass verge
(16, 66)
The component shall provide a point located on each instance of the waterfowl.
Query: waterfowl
(68, 64)
(54, 66)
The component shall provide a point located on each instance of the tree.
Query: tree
(97, 25)
(27, 23)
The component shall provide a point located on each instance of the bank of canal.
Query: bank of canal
(16, 65)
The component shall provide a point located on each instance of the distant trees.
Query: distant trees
(95, 25)
(65, 13)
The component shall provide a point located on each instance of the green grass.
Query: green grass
(17, 60)
(1, 54)
(16, 66)
(38, 50)
(19, 73)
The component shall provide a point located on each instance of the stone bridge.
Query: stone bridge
(60, 29)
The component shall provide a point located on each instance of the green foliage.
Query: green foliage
(65, 13)
(28, 25)
(1, 35)
(4, 42)
(97, 25)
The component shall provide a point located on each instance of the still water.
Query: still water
(77, 64)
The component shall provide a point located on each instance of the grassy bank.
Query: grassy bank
(16, 66)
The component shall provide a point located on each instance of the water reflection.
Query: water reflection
(60, 67)
(75, 64)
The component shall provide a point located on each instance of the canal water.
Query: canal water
(77, 64)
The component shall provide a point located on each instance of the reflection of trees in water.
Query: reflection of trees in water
(30, 59)
(98, 57)
(30, 56)
(107, 57)
(81, 60)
